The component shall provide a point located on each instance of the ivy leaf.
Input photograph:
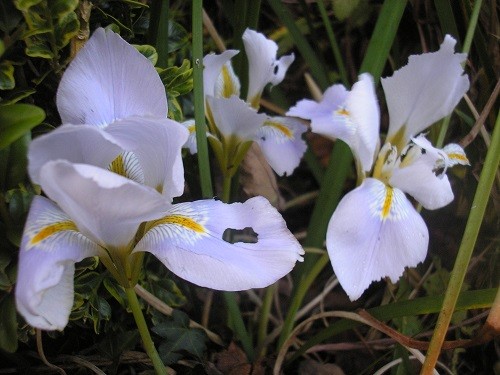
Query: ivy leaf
(179, 338)
(24, 5)
(66, 29)
(148, 51)
(39, 50)
(7, 81)
(60, 8)
(16, 120)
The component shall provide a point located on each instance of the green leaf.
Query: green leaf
(342, 9)
(174, 109)
(24, 5)
(7, 81)
(15, 96)
(9, 17)
(180, 338)
(148, 51)
(116, 290)
(17, 162)
(8, 324)
(66, 29)
(168, 292)
(178, 37)
(60, 8)
(16, 120)
(38, 49)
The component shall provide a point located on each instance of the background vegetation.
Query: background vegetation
(304, 323)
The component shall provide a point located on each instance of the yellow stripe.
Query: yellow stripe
(182, 221)
(52, 229)
(386, 208)
(228, 87)
(457, 156)
(280, 127)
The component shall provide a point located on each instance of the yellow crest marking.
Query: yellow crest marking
(228, 87)
(386, 207)
(342, 112)
(457, 156)
(49, 230)
(280, 127)
(118, 166)
(182, 221)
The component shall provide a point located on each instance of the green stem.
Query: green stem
(149, 346)
(158, 30)
(333, 42)
(465, 252)
(265, 311)
(238, 324)
(226, 189)
(199, 100)
(299, 295)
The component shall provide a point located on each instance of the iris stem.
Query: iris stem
(265, 311)
(147, 341)
(199, 101)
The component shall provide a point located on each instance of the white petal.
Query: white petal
(234, 117)
(364, 111)
(157, 143)
(213, 64)
(333, 98)
(75, 143)
(228, 83)
(456, 155)
(190, 143)
(106, 207)
(50, 247)
(422, 176)
(280, 139)
(109, 80)
(189, 241)
(373, 233)
(425, 90)
(263, 66)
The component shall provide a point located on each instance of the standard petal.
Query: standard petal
(280, 139)
(157, 144)
(263, 66)
(109, 80)
(212, 65)
(189, 241)
(75, 143)
(373, 233)
(456, 155)
(424, 91)
(234, 117)
(363, 110)
(106, 207)
(50, 247)
(190, 143)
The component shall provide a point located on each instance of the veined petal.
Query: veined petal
(75, 143)
(109, 80)
(157, 143)
(213, 64)
(373, 233)
(263, 66)
(424, 91)
(106, 207)
(189, 241)
(227, 84)
(51, 245)
(280, 139)
(422, 174)
(234, 117)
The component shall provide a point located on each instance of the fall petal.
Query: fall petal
(189, 241)
(374, 232)
(280, 139)
(51, 245)
(109, 80)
